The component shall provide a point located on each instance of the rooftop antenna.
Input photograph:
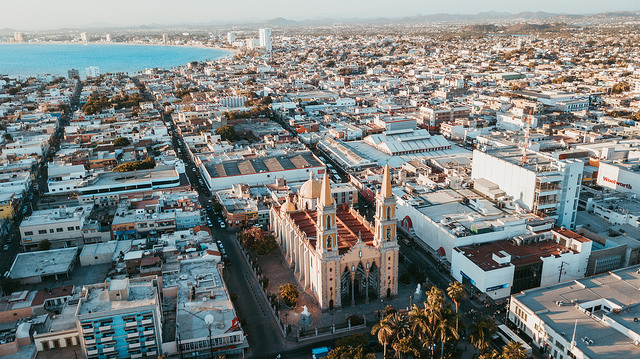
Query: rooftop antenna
(526, 136)
(573, 338)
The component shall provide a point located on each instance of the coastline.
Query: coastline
(223, 53)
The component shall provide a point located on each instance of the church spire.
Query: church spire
(325, 195)
(386, 183)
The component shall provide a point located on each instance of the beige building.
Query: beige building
(334, 251)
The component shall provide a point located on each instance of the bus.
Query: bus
(320, 352)
(507, 335)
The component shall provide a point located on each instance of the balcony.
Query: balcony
(148, 332)
(134, 345)
(135, 356)
(92, 352)
(149, 343)
(87, 330)
(106, 339)
(104, 327)
(130, 324)
(108, 349)
(89, 341)
(132, 335)
(147, 321)
(151, 353)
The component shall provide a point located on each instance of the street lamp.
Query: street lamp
(208, 319)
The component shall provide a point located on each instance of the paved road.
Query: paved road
(263, 332)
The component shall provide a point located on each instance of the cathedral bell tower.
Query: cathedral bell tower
(326, 228)
(385, 218)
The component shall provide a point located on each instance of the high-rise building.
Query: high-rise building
(121, 318)
(92, 71)
(73, 74)
(265, 39)
(547, 186)
(84, 37)
(165, 39)
(108, 38)
(231, 37)
(18, 37)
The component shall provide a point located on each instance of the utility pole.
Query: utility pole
(561, 268)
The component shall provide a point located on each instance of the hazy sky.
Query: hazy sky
(49, 14)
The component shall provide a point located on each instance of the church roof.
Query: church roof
(349, 228)
(311, 188)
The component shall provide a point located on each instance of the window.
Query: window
(42, 231)
(28, 233)
(59, 230)
(69, 228)
(50, 230)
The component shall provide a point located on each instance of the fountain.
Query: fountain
(305, 317)
(418, 293)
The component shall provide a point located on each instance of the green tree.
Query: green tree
(289, 293)
(481, 333)
(405, 345)
(513, 350)
(146, 164)
(620, 87)
(445, 329)
(384, 332)
(227, 133)
(456, 293)
(44, 245)
(346, 352)
(121, 142)
(356, 340)
(420, 326)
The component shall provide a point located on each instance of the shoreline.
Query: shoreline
(228, 52)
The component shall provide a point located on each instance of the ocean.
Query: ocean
(23, 60)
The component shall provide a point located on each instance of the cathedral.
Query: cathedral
(334, 252)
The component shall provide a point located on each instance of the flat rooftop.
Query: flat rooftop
(605, 294)
(107, 179)
(211, 298)
(43, 263)
(535, 161)
(142, 292)
(255, 165)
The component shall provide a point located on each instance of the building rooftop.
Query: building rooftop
(263, 164)
(141, 292)
(43, 263)
(605, 308)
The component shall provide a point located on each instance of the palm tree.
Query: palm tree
(481, 333)
(456, 293)
(420, 326)
(384, 332)
(445, 329)
(490, 355)
(399, 325)
(405, 345)
(513, 350)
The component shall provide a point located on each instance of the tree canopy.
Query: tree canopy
(146, 164)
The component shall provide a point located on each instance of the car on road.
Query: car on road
(222, 225)
(5, 247)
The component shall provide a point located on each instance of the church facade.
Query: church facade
(334, 252)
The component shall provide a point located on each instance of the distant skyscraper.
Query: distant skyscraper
(18, 37)
(108, 38)
(84, 37)
(265, 39)
(73, 74)
(231, 37)
(165, 39)
(92, 71)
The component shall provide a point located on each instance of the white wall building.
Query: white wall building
(265, 39)
(544, 185)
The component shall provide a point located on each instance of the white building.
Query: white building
(231, 37)
(544, 185)
(594, 317)
(62, 227)
(92, 71)
(65, 178)
(84, 37)
(529, 261)
(620, 176)
(265, 39)
(18, 37)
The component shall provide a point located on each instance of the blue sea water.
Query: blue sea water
(36, 59)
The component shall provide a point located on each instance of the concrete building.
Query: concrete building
(165, 39)
(92, 71)
(18, 37)
(84, 37)
(62, 227)
(621, 176)
(504, 267)
(589, 318)
(120, 318)
(231, 38)
(260, 170)
(30, 268)
(335, 252)
(265, 39)
(544, 185)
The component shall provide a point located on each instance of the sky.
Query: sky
(51, 14)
